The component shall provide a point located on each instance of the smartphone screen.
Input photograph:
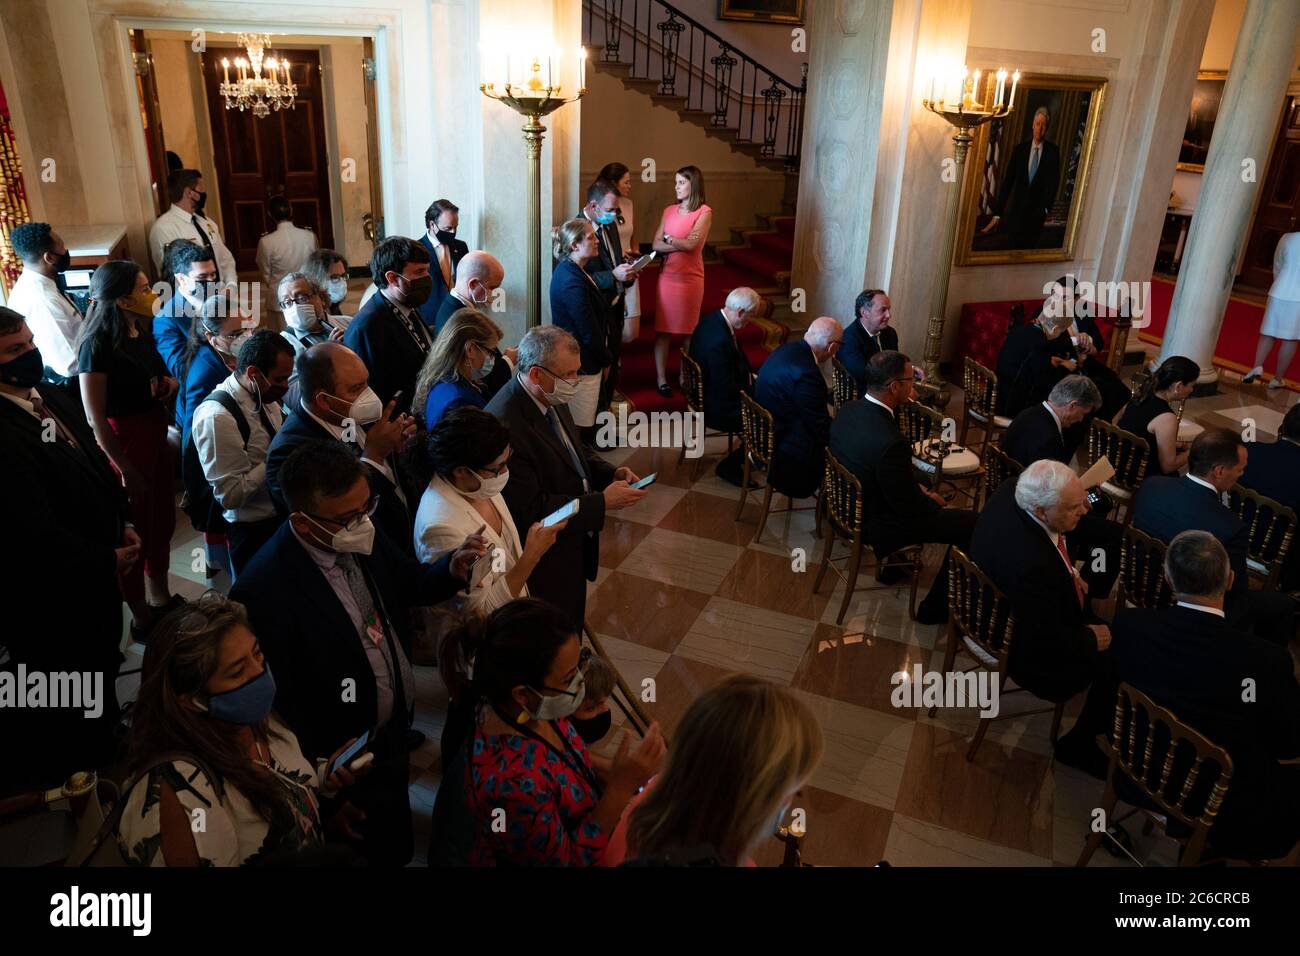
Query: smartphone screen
(647, 481)
(555, 517)
(351, 752)
(481, 567)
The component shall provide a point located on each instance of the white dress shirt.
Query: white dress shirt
(1217, 612)
(237, 473)
(876, 401)
(1056, 418)
(1221, 495)
(176, 223)
(443, 521)
(280, 252)
(564, 433)
(360, 442)
(52, 317)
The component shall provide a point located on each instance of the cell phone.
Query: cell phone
(481, 567)
(647, 481)
(351, 752)
(397, 404)
(555, 517)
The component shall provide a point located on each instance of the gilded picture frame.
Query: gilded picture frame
(1035, 222)
(762, 11)
(1202, 114)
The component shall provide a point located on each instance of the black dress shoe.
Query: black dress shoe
(414, 738)
(935, 613)
(666, 390)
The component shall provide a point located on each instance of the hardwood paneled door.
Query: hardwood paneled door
(1279, 203)
(279, 154)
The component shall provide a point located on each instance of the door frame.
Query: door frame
(382, 92)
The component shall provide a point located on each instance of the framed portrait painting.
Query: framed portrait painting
(1207, 97)
(1027, 174)
(762, 11)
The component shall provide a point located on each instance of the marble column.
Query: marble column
(841, 144)
(1261, 66)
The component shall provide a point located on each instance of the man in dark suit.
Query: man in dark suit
(336, 404)
(610, 271)
(441, 221)
(868, 333)
(388, 333)
(1166, 506)
(791, 386)
(1028, 186)
(1020, 543)
(1030, 363)
(1235, 689)
(866, 439)
(726, 371)
(329, 598)
(1038, 431)
(194, 275)
(1274, 471)
(548, 468)
(69, 538)
(478, 276)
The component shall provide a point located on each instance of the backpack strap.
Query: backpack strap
(227, 401)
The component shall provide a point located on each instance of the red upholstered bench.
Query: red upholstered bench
(983, 329)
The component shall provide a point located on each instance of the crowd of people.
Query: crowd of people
(360, 470)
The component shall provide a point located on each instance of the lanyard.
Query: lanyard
(567, 755)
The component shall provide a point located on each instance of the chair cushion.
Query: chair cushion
(976, 415)
(980, 654)
(960, 460)
(1115, 491)
(1257, 566)
(1001, 421)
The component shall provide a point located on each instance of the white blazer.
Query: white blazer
(1286, 268)
(443, 521)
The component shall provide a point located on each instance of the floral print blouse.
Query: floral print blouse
(532, 805)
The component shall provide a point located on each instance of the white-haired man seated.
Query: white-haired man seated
(1059, 649)
(726, 370)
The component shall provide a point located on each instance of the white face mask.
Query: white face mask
(230, 345)
(562, 392)
(358, 540)
(487, 487)
(337, 289)
(302, 318)
(365, 409)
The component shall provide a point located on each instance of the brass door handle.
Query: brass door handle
(368, 227)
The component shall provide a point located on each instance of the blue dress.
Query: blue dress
(445, 396)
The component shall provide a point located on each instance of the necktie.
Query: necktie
(444, 263)
(578, 466)
(404, 685)
(207, 244)
(1074, 575)
(1033, 162)
(45, 415)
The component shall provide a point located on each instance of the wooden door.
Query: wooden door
(1279, 204)
(146, 88)
(280, 154)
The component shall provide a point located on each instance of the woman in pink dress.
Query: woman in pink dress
(682, 234)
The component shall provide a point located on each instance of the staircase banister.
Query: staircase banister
(772, 74)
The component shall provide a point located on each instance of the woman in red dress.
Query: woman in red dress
(682, 233)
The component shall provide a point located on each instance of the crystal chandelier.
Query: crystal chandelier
(253, 90)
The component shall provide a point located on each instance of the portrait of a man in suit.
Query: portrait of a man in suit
(1029, 186)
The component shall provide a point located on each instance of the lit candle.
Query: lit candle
(507, 68)
(582, 68)
(1002, 85)
(284, 65)
(975, 88)
(548, 74)
(1015, 78)
(225, 69)
(932, 72)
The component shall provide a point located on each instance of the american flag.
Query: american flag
(989, 188)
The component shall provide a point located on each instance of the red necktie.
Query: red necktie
(1078, 584)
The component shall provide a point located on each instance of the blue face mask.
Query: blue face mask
(605, 218)
(485, 369)
(24, 371)
(246, 704)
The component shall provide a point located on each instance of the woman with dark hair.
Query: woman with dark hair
(524, 758)
(204, 743)
(741, 753)
(621, 176)
(125, 389)
(1149, 413)
(683, 231)
(328, 271)
(456, 369)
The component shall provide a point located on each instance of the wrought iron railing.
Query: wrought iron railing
(763, 108)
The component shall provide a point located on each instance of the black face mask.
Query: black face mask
(417, 291)
(593, 729)
(24, 371)
(198, 203)
(445, 236)
(64, 263)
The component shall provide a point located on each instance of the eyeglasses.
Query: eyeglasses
(496, 472)
(302, 298)
(584, 659)
(571, 381)
(349, 522)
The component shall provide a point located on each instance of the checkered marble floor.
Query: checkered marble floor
(686, 595)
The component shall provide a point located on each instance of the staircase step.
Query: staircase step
(777, 243)
(784, 225)
(763, 262)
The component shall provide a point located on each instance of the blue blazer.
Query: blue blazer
(445, 396)
(1167, 505)
(579, 308)
(429, 311)
(205, 373)
(791, 387)
(312, 644)
(171, 332)
(1272, 469)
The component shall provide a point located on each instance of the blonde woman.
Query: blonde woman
(580, 308)
(621, 176)
(683, 231)
(461, 358)
(740, 755)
